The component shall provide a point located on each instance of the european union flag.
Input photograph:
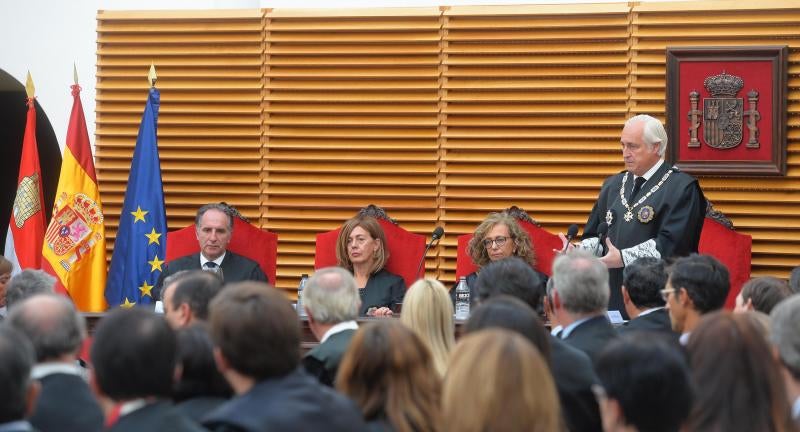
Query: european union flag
(140, 247)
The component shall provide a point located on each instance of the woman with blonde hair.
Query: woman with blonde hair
(387, 372)
(361, 248)
(497, 380)
(428, 311)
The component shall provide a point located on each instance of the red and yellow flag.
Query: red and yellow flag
(74, 247)
(26, 227)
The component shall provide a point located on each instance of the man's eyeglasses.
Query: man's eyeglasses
(499, 241)
(666, 292)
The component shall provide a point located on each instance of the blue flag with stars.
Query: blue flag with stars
(140, 246)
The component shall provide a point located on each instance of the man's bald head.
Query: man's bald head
(52, 324)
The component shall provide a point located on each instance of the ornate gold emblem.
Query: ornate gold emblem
(609, 217)
(74, 228)
(646, 214)
(26, 203)
(723, 114)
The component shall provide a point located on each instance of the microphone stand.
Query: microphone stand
(424, 254)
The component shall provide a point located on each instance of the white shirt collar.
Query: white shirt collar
(42, 370)
(338, 328)
(568, 329)
(651, 310)
(556, 331)
(796, 409)
(218, 261)
(652, 170)
(684, 339)
(131, 406)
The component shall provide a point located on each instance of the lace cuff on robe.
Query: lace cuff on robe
(646, 249)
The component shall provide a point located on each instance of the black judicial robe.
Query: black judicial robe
(666, 224)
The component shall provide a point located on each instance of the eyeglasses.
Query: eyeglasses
(666, 292)
(499, 241)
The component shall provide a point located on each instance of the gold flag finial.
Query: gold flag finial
(75, 72)
(151, 76)
(29, 88)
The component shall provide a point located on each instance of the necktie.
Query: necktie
(637, 184)
(211, 265)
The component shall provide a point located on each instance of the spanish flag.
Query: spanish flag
(74, 249)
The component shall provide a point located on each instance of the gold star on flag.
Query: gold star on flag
(155, 264)
(153, 237)
(138, 215)
(128, 304)
(145, 289)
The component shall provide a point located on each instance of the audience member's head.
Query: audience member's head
(499, 236)
(256, 333)
(16, 387)
(580, 286)
(642, 283)
(497, 380)
(186, 299)
(762, 294)
(511, 276)
(737, 381)
(28, 283)
(794, 280)
(428, 311)
(697, 285)
(331, 297)
(389, 374)
(644, 383)
(199, 374)
(511, 313)
(5, 276)
(785, 320)
(52, 324)
(133, 354)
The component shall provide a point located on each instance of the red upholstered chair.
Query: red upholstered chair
(543, 244)
(405, 248)
(248, 240)
(733, 249)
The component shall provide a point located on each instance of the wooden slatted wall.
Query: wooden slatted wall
(767, 208)
(351, 107)
(209, 66)
(534, 99)
(300, 117)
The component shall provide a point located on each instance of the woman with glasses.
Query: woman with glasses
(499, 236)
(361, 248)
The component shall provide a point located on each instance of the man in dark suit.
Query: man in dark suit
(56, 330)
(580, 298)
(134, 354)
(331, 301)
(571, 368)
(642, 283)
(18, 389)
(214, 226)
(256, 335)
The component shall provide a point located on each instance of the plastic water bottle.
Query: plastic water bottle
(300, 309)
(462, 299)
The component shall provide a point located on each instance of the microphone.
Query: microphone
(602, 231)
(438, 232)
(572, 231)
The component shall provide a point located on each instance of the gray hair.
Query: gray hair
(224, 208)
(331, 296)
(581, 281)
(653, 132)
(51, 323)
(169, 280)
(26, 284)
(785, 320)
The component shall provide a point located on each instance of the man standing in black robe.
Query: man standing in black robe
(652, 209)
